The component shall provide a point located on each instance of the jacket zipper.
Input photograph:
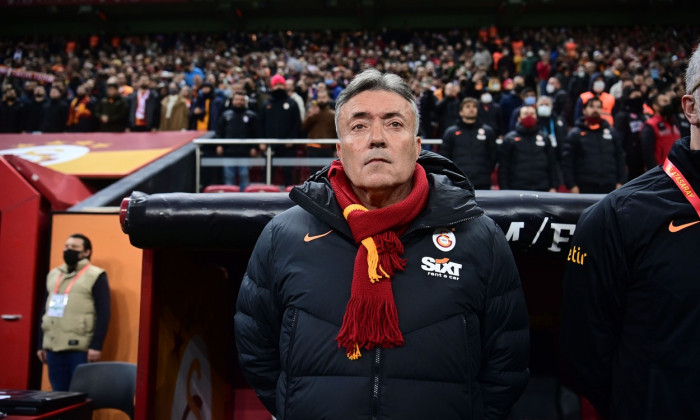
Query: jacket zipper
(375, 383)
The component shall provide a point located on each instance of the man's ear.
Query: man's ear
(418, 146)
(690, 109)
(338, 149)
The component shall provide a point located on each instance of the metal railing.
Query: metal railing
(267, 159)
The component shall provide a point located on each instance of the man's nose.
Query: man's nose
(376, 134)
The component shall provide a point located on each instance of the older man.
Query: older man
(631, 320)
(386, 292)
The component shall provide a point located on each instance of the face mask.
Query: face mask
(635, 104)
(528, 122)
(173, 91)
(70, 256)
(486, 98)
(238, 108)
(581, 74)
(323, 105)
(544, 111)
(279, 93)
(144, 87)
(551, 89)
(530, 101)
(598, 86)
(594, 120)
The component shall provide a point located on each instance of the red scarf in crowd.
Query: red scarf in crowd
(370, 317)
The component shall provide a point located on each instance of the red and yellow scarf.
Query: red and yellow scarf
(370, 317)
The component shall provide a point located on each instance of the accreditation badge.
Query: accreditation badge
(57, 305)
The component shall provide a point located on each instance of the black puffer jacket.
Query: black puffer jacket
(593, 156)
(527, 161)
(472, 147)
(464, 320)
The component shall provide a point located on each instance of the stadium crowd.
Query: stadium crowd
(531, 102)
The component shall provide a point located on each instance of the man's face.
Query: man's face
(377, 145)
(468, 111)
(527, 111)
(238, 101)
(77, 244)
(39, 94)
(661, 101)
(112, 91)
(593, 109)
(322, 98)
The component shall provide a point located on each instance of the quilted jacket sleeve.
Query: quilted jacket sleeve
(505, 334)
(257, 323)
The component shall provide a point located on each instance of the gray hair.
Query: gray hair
(692, 74)
(373, 79)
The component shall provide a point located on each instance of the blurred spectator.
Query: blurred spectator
(529, 98)
(561, 105)
(11, 111)
(55, 112)
(174, 111)
(144, 107)
(628, 125)
(447, 109)
(490, 114)
(592, 158)
(659, 132)
(203, 111)
(280, 120)
(526, 161)
(471, 145)
(510, 100)
(124, 89)
(597, 89)
(320, 124)
(111, 110)
(34, 112)
(238, 122)
(81, 112)
(298, 99)
(551, 125)
(192, 72)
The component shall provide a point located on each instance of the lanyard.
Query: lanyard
(70, 286)
(682, 184)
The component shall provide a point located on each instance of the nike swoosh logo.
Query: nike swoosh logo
(673, 228)
(308, 238)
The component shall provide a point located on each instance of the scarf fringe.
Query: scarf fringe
(375, 320)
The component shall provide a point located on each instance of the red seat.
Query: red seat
(288, 188)
(262, 188)
(221, 188)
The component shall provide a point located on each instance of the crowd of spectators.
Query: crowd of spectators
(188, 81)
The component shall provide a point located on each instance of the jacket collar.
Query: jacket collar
(81, 264)
(688, 161)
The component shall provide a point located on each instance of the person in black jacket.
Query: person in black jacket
(471, 145)
(55, 112)
(386, 292)
(111, 110)
(280, 119)
(630, 322)
(238, 122)
(526, 159)
(144, 107)
(628, 124)
(11, 111)
(592, 158)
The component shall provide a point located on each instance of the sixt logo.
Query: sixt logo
(441, 267)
